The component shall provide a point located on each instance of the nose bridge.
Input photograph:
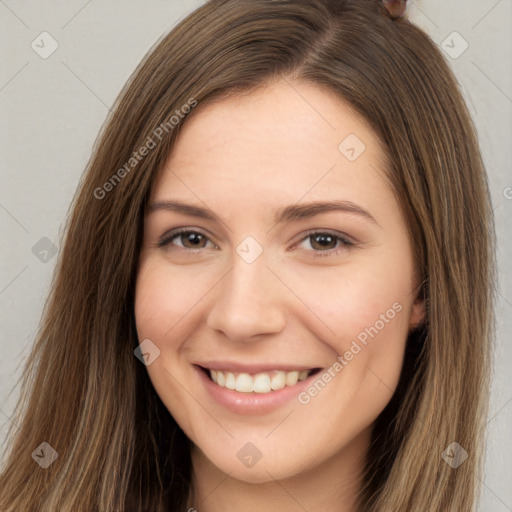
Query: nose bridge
(247, 303)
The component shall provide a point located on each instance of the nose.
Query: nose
(247, 302)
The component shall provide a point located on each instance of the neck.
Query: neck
(332, 485)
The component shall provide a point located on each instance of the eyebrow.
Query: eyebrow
(289, 213)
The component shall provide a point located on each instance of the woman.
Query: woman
(204, 346)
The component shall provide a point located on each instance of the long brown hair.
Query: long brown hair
(90, 399)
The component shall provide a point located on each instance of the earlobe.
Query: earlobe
(417, 317)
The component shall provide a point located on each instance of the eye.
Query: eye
(323, 243)
(327, 242)
(189, 238)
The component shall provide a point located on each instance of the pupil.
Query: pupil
(193, 238)
(324, 240)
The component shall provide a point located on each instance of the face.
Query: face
(276, 279)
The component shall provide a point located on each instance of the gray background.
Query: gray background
(52, 110)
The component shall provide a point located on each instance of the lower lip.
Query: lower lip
(252, 403)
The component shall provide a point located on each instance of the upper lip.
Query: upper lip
(253, 367)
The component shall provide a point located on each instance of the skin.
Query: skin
(242, 158)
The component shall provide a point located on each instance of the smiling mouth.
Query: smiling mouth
(263, 382)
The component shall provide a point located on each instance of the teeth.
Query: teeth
(244, 383)
(292, 378)
(278, 381)
(230, 380)
(221, 379)
(259, 383)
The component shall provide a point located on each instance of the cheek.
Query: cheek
(164, 311)
(367, 308)
(369, 312)
(351, 298)
(166, 299)
(165, 305)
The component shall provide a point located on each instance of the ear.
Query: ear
(418, 314)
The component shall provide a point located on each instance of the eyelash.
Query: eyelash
(346, 243)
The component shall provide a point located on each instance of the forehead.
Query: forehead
(287, 140)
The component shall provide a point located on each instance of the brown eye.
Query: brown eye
(326, 243)
(323, 241)
(194, 239)
(189, 239)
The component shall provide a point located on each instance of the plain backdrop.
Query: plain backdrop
(52, 107)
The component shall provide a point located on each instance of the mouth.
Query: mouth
(261, 382)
